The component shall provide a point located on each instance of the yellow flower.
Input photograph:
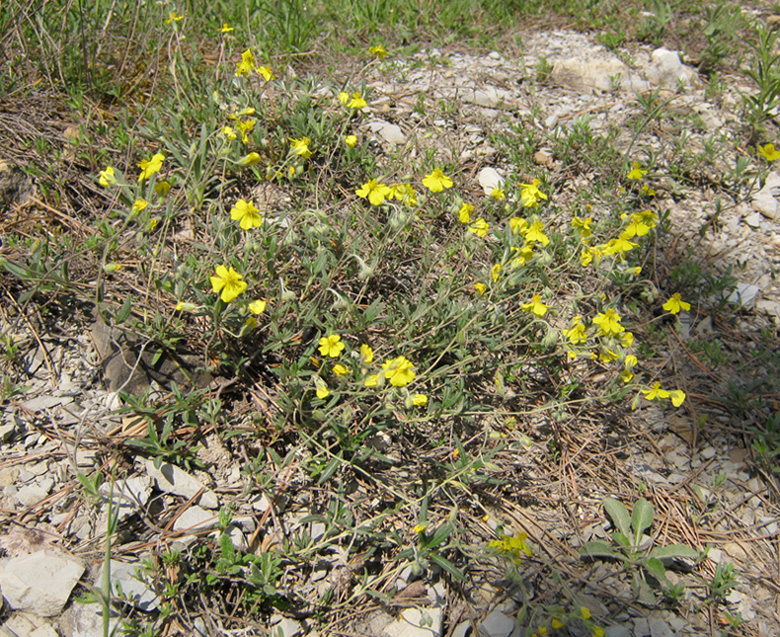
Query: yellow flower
(374, 191)
(556, 623)
(228, 133)
(371, 381)
(525, 255)
(677, 396)
(107, 177)
(340, 370)
(597, 631)
(530, 194)
(631, 361)
(419, 528)
(641, 223)
(535, 306)
(172, 17)
(331, 345)
(151, 166)
(229, 282)
(266, 72)
(515, 545)
(576, 334)
(257, 307)
(607, 356)
(609, 322)
(322, 389)
(536, 233)
(366, 354)
(495, 271)
(419, 400)
(587, 256)
(769, 152)
(585, 612)
(225, 28)
(181, 306)
(542, 630)
(350, 141)
(247, 214)
(636, 171)
(437, 181)
(626, 376)
(647, 190)
(655, 392)
(247, 64)
(246, 127)
(378, 51)
(675, 304)
(399, 371)
(626, 339)
(405, 193)
(301, 147)
(497, 194)
(464, 214)
(518, 226)
(479, 227)
(619, 245)
(582, 226)
(139, 205)
(250, 160)
(356, 101)
(481, 288)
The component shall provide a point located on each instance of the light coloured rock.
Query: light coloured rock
(753, 220)
(667, 69)
(496, 624)
(126, 577)
(129, 495)
(599, 72)
(489, 178)
(44, 630)
(31, 494)
(744, 295)
(171, 479)
(417, 622)
(196, 519)
(40, 582)
(86, 620)
(391, 133)
(765, 201)
(659, 628)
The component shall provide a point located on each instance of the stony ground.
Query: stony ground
(697, 465)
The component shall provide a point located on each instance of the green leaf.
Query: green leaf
(657, 569)
(619, 515)
(643, 592)
(674, 551)
(641, 518)
(597, 548)
(448, 566)
(621, 539)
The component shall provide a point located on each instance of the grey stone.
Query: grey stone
(753, 220)
(659, 628)
(41, 582)
(765, 200)
(125, 577)
(129, 495)
(744, 295)
(496, 624)
(196, 519)
(171, 479)
(667, 69)
(391, 133)
(417, 622)
(86, 620)
(462, 629)
(617, 631)
(31, 494)
(489, 178)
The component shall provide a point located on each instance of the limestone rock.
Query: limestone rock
(667, 69)
(172, 479)
(40, 582)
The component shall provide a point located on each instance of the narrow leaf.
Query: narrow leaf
(597, 548)
(674, 551)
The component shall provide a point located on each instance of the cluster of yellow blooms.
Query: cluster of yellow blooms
(398, 371)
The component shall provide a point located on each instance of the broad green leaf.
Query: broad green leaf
(621, 539)
(657, 569)
(597, 548)
(641, 518)
(674, 551)
(643, 592)
(619, 515)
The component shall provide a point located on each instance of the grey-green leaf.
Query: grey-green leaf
(641, 518)
(597, 548)
(619, 515)
(674, 551)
